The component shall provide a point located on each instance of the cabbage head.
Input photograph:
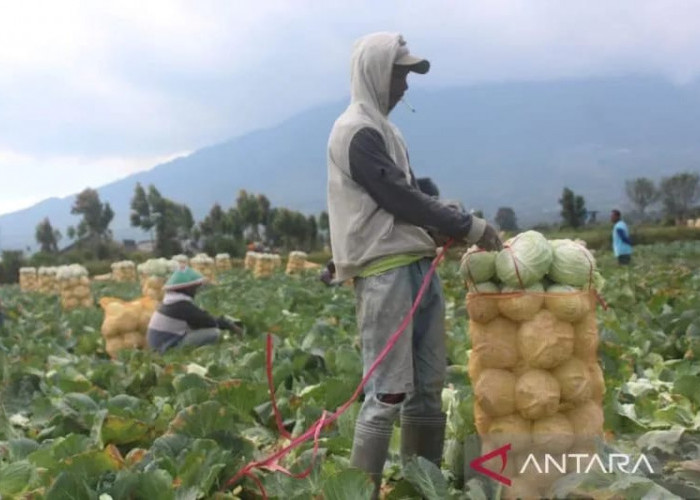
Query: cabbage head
(524, 260)
(572, 264)
(485, 287)
(567, 302)
(518, 304)
(478, 265)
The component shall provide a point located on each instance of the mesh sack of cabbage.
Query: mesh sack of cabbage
(124, 271)
(74, 286)
(534, 366)
(223, 262)
(265, 265)
(125, 323)
(28, 281)
(48, 283)
(296, 263)
(204, 265)
(250, 259)
(153, 274)
(181, 260)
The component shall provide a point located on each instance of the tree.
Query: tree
(47, 236)
(506, 220)
(679, 193)
(642, 193)
(312, 231)
(249, 209)
(10, 264)
(173, 222)
(263, 210)
(141, 215)
(221, 231)
(290, 229)
(573, 208)
(71, 232)
(324, 226)
(96, 216)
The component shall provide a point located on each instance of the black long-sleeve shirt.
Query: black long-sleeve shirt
(373, 169)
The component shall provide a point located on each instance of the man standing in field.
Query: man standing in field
(379, 223)
(622, 246)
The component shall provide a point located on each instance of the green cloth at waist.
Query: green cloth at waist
(384, 264)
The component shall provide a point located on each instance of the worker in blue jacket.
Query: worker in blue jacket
(621, 242)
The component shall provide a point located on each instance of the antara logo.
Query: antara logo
(580, 463)
(477, 464)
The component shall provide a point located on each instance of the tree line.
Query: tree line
(172, 228)
(677, 196)
(252, 218)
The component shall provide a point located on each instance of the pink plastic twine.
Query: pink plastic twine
(271, 462)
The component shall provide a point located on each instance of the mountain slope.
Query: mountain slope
(515, 144)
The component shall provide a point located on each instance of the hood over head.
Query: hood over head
(372, 62)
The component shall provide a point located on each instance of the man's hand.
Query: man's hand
(230, 324)
(490, 239)
(439, 238)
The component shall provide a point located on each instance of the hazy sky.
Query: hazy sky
(93, 91)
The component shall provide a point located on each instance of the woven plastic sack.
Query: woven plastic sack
(537, 382)
(125, 323)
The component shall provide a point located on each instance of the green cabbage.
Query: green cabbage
(524, 260)
(522, 305)
(572, 264)
(485, 287)
(567, 302)
(478, 266)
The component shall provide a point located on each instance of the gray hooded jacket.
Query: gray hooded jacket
(374, 205)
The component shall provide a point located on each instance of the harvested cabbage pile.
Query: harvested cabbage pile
(124, 271)
(153, 274)
(530, 260)
(48, 283)
(296, 263)
(533, 362)
(204, 265)
(28, 281)
(266, 264)
(125, 323)
(74, 286)
(223, 262)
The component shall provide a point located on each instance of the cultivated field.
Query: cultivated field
(76, 424)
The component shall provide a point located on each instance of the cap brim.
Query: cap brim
(199, 282)
(413, 63)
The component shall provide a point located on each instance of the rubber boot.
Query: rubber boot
(370, 448)
(423, 437)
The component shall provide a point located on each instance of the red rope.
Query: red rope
(271, 387)
(597, 294)
(271, 462)
(515, 261)
(469, 271)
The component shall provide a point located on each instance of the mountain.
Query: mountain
(510, 144)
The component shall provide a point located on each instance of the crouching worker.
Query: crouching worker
(178, 321)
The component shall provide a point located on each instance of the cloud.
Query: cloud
(135, 79)
(34, 178)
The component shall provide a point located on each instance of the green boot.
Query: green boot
(370, 448)
(423, 437)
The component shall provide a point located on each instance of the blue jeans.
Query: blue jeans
(417, 363)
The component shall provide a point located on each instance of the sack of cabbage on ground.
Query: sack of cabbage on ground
(533, 364)
(74, 287)
(125, 323)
